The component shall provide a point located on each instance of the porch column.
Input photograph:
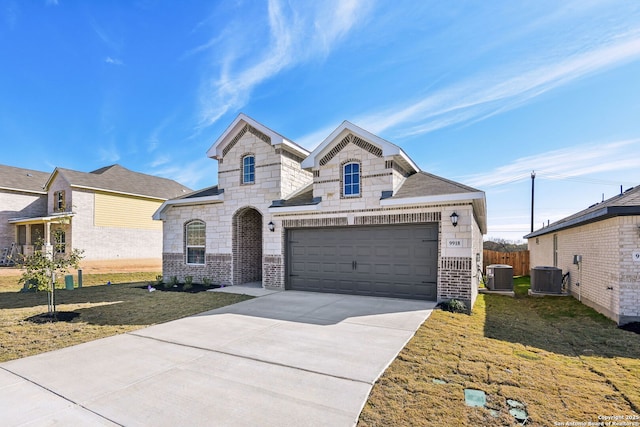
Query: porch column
(48, 248)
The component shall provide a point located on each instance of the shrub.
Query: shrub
(206, 281)
(454, 306)
(173, 281)
(188, 282)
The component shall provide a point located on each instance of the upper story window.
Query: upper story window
(248, 169)
(195, 242)
(351, 179)
(59, 204)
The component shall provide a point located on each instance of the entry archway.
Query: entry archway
(247, 246)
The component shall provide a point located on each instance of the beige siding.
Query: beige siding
(125, 212)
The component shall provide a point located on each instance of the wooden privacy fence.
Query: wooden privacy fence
(518, 260)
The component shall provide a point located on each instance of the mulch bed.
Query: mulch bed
(58, 316)
(632, 327)
(194, 289)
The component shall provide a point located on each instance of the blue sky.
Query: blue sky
(478, 92)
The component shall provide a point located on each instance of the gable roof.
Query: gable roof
(426, 184)
(384, 147)
(424, 187)
(241, 124)
(206, 195)
(19, 179)
(627, 203)
(117, 179)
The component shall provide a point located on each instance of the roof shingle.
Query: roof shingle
(118, 179)
(19, 179)
(627, 203)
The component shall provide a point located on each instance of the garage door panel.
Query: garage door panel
(363, 251)
(391, 261)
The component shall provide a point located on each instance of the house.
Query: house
(356, 215)
(106, 213)
(600, 249)
(21, 194)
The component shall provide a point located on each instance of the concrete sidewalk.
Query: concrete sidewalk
(284, 359)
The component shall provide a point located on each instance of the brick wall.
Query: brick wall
(457, 275)
(608, 277)
(273, 274)
(274, 173)
(247, 250)
(217, 268)
(18, 205)
(455, 279)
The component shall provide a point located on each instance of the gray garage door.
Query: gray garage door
(398, 261)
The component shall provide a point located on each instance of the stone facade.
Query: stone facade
(608, 279)
(239, 217)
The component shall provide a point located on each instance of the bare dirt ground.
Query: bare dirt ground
(106, 266)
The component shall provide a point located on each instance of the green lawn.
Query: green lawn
(562, 360)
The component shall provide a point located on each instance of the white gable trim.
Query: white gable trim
(215, 152)
(440, 198)
(299, 208)
(388, 149)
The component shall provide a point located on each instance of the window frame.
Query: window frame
(59, 201)
(200, 245)
(251, 173)
(349, 176)
(60, 241)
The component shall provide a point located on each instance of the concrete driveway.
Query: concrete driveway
(284, 359)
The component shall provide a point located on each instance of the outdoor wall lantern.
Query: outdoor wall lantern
(454, 219)
(271, 226)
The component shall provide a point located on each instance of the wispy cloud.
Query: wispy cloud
(297, 33)
(503, 89)
(584, 160)
(153, 141)
(160, 160)
(109, 153)
(10, 13)
(192, 174)
(113, 61)
(572, 53)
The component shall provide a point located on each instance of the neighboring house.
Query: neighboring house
(106, 213)
(356, 215)
(606, 239)
(21, 194)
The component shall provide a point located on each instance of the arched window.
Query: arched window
(248, 169)
(351, 179)
(195, 242)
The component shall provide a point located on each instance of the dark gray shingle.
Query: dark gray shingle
(19, 179)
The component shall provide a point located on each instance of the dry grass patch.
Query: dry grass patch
(104, 311)
(563, 360)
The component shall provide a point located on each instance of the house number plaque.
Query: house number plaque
(454, 243)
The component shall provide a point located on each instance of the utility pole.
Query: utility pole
(533, 179)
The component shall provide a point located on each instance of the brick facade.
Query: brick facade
(608, 279)
(237, 223)
(217, 268)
